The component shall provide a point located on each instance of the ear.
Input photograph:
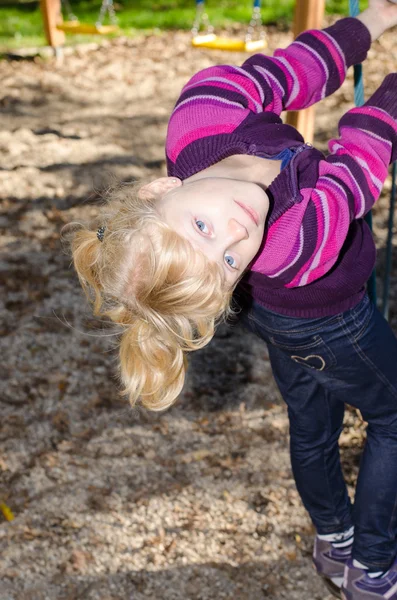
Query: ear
(159, 187)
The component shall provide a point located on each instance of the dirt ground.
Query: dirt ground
(197, 503)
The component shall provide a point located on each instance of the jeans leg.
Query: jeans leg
(375, 506)
(353, 359)
(316, 420)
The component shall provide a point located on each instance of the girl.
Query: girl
(248, 202)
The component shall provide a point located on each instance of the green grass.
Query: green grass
(21, 24)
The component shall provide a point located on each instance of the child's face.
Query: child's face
(225, 218)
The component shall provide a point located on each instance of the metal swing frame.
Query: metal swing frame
(206, 38)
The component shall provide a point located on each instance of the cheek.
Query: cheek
(253, 250)
(258, 240)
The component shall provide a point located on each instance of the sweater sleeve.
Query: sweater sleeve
(217, 100)
(305, 242)
(312, 67)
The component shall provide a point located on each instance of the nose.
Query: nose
(237, 231)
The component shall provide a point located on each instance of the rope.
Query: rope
(358, 85)
(354, 10)
(358, 69)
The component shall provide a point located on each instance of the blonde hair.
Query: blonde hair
(166, 296)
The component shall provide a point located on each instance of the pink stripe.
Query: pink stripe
(223, 85)
(372, 111)
(287, 74)
(225, 72)
(370, 148)
(320, 236)
(343, 175)
(338, 216)
(176, 145)
(377, 167)
(339, 219)
(275, 101)
(277, 251)
(220, 85)
(334, 51)
(186, 124)
(303, 62)
(304, 95)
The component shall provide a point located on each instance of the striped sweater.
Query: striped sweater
(317, 252)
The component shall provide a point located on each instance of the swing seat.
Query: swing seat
(202, 39)
(255, 45)
(86, 28)
(225, 43)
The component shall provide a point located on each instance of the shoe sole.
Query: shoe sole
(334, 589)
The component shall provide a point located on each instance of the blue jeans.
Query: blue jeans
(319, 365)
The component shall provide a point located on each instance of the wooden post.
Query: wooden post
(309, 14)
(52, 14)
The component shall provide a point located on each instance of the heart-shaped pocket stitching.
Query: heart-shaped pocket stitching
(319, 361)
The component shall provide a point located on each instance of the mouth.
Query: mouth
(249, 211)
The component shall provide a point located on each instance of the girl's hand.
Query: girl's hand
(380, 16)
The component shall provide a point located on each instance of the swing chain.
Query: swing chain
(255, 24)
(107, 7)
(69, 13)
(201, 20)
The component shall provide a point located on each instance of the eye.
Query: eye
(201, 226)
(229, 260)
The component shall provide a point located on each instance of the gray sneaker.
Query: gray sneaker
(329, 563)
(358, 586)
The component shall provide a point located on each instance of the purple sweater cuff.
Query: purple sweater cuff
(385, 96)
(353, 37)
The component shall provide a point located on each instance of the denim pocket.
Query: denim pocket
(312, 353)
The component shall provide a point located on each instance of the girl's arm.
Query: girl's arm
(218, 99)
(315, 65)
(349, 181)
(312, 67)
(380, 16)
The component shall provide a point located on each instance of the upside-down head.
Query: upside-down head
(165, 295)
